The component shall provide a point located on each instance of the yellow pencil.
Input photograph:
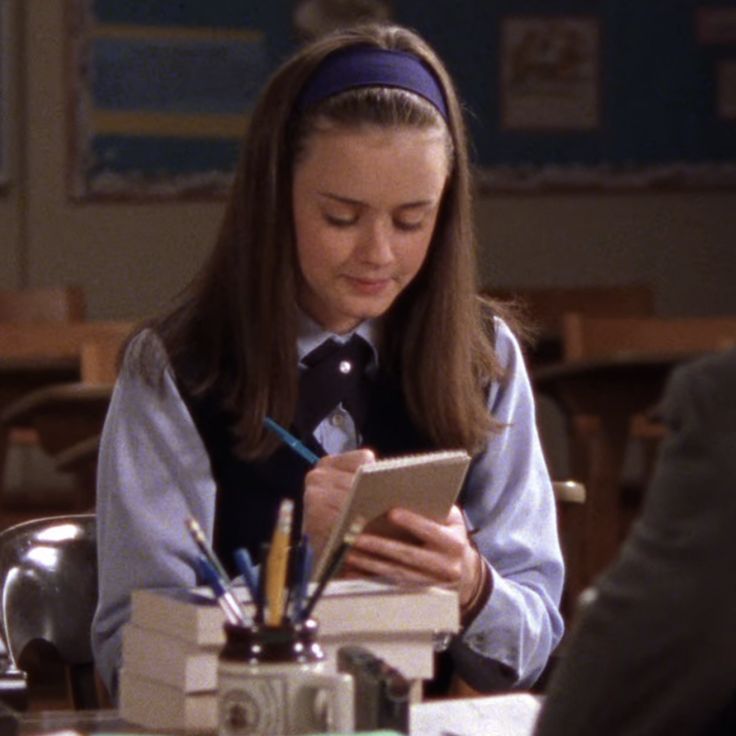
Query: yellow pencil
(277, 563)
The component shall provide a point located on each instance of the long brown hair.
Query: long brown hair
(238, 316)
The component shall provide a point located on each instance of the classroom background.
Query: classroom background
(131, 254)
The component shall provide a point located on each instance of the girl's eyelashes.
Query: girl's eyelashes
(348, 220)
(408, 226)
(340, 220)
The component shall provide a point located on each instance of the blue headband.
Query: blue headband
(368, 66)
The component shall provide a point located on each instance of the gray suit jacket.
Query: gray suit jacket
(655, 653)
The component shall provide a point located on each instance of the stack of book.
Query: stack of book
(171, 643)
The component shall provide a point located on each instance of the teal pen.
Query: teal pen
(289, 439)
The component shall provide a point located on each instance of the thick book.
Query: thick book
(427, 483)
(192, 668)
(167, 659)
(156, 705)
(347, 608)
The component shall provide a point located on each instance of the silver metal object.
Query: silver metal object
(48, 581)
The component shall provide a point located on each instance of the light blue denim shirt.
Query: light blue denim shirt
(154, 472)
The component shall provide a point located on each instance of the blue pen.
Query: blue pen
(225, 598)
(291, 441)
(250, 575)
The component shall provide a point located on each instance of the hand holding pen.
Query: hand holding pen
(288, 439)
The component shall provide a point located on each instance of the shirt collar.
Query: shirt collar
(311, 335)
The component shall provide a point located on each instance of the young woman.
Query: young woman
(349, 219)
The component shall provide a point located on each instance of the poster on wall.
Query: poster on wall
(161, 95)
(550, 73)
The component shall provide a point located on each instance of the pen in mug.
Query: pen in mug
(261, 589)
(333, 565)
(302, 575)
(289, 439)
(201, 541)
(250, 575)
(225, 598)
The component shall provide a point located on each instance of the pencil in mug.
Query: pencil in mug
(277, 564)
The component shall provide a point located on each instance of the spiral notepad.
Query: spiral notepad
(427, 483)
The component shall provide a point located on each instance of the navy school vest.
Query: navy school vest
(249, 492)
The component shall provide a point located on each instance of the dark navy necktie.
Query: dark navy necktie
(334, 374)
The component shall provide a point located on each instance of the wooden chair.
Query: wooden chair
(50, 305)
(613, 377)
(545, 308)
(43, 304)
(589, 338)
(569, 496)
(66, 414)
(40, 305)
(100, 363)
(593, 338)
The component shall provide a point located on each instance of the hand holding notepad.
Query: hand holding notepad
(427, 484)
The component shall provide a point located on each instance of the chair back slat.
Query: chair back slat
(56, 342)
(546, 306)
(100, 358)
(43, 304)
(592, 338)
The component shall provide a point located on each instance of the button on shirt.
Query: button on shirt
(337, 432)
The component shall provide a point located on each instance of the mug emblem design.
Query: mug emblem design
(257, 709)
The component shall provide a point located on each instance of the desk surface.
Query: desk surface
(512, 714)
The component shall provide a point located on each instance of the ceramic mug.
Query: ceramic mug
(274, 680)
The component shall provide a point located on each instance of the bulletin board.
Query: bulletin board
(559, 94)
(160, 94)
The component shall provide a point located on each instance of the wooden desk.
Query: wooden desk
(41, 354)
(62, 416)
(613, 391)
(43, 360)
